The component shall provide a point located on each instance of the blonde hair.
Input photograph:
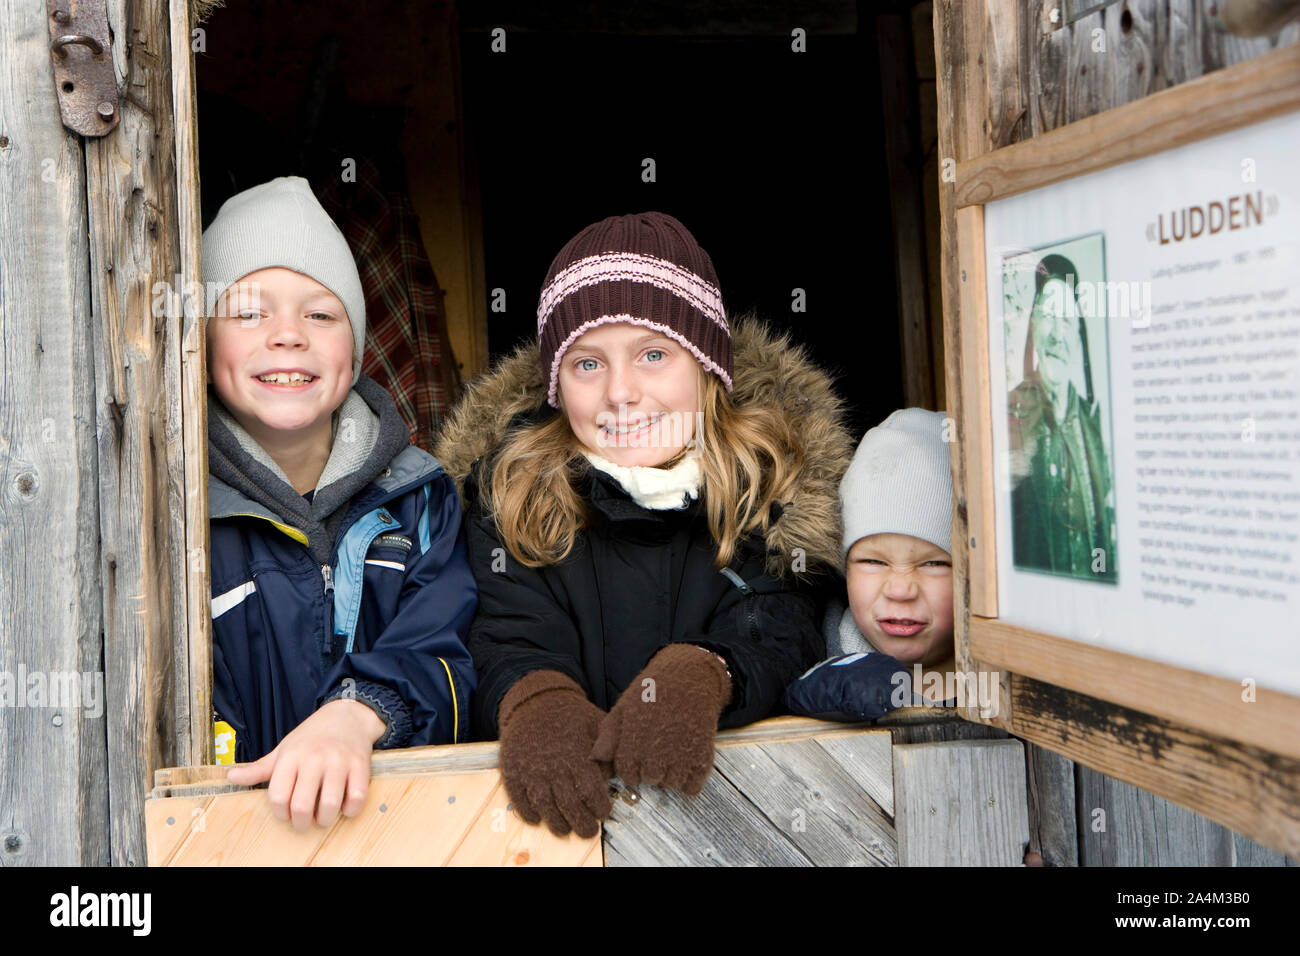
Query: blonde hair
(750, 458)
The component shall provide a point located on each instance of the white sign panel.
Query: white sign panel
(1144, 326)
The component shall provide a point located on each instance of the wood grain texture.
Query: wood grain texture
(132, 213)
(1229, 99)
(653, 826)
(822, 800)
(1247, 789)
(978, 110)
(961, 803)
(977, 423)
(1050, 785)
(53, 763)
(456, 819)
(818, 804)
(192, 664)
(1200, 701)
(1123, 825)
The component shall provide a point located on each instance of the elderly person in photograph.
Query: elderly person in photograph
(1061, 500)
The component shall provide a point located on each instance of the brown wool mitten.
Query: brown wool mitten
(662, 733)
(547, 730)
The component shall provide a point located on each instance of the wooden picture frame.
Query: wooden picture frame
(1182, 734)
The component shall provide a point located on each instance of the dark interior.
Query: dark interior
(772, 158)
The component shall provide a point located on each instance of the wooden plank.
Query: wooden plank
(501, 838)
(410, 821)
(134, 264)
(899, 121)
(1049, 783)
(1047, 44)
(867, 759)
(1122, 825)
(168, 822)
(961, 803)
(1200, 701)
(923, 725)
(237, 829)
(964, 98)
(1089, 70)
(653, 826)
(1229, 99)
(1246, 852)
(430, 820)
(977, 422)
(53, 761)
(1131, 45)
(192, 604)
(813, 801)
(1250, 790)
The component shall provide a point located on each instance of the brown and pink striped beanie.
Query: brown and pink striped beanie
(644, 269)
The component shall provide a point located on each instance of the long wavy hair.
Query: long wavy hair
(750, 459)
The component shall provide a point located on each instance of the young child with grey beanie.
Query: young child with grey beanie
(896, 499)
(341, 590)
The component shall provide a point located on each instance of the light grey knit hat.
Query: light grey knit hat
(281, 223)
(900, 481)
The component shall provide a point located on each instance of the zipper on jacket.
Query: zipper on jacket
(327, 573)
(749, 593)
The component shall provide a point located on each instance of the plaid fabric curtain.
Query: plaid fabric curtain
(407, 350)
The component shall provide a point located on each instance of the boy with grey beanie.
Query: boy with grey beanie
(341, 589)
(896, 499)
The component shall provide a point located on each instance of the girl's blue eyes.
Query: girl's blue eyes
(580, 364)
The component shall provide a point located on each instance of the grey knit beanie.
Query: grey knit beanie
(281, 223)
(900, 481)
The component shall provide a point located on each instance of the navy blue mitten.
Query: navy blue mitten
(851, 687)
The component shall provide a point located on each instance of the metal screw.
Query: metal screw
(57, 720)
(105, 110)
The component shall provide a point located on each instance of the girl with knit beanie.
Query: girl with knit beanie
(651, 502)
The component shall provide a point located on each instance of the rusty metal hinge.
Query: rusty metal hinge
(83, 65)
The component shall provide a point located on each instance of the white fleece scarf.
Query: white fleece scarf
(657, 489)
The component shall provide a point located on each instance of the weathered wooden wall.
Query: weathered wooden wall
(1012, 71)
(788, 791)
(93, 531)
(54, 806)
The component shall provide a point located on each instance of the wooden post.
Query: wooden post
(53, 763)
(93, 535)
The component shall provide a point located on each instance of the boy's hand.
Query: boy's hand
(322, 760)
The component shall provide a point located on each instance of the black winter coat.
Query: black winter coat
(637, 580)
(640, 579)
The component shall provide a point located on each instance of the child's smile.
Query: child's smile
(280, 354)
(630, 393)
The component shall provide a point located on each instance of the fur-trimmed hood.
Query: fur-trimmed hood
(767, 368)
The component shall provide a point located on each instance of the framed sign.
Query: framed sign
(1130, 400)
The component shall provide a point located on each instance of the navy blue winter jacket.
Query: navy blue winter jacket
(382, 619)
